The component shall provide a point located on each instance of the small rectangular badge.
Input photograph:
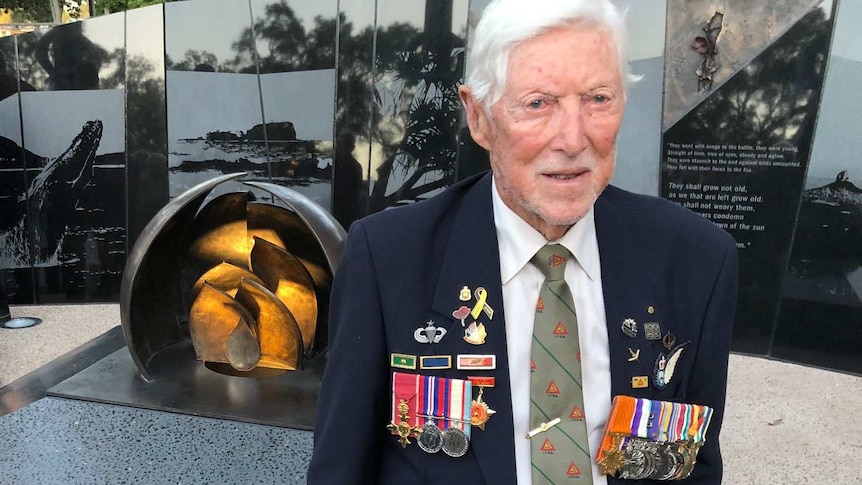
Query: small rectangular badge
(482, 381)
(640, 382)
(435, 362)
(403, 361)
(477, 362)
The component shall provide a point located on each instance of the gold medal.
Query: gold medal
(480, 413)
(404, 432)
(612, 460)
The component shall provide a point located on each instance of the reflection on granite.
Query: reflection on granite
(146, 118)
(87, 442)
(417, 112)
(821, 299)
(212, 42)
(750, 139)
(353, 108)
(748, 28)
(73, 151)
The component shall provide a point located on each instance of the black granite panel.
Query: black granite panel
(419, 66)
(292, 35)
(146, 117)
(296, 42)
(739, 158)
(820, 314)
(16, 275)
(74, 127)
(354, 107)
(472, 158)
(213, 95)
(5, 313)
(209, 37)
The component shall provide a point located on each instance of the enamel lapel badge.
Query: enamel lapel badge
(475, 306)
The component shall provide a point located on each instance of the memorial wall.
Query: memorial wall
(746, 113)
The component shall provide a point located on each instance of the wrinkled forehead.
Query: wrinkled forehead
(588, 46)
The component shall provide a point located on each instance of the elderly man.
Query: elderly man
(480, 337)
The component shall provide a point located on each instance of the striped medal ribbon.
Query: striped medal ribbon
(444, 409)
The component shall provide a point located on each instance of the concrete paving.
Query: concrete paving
(784, 423)
(63, 328)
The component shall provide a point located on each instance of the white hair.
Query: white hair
(505, 24)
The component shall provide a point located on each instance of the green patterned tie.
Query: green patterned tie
(561, 453)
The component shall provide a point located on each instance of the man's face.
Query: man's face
(552, 134)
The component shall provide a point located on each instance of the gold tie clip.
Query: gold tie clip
(543, 427)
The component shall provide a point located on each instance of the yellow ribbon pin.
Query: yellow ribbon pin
(481, 295)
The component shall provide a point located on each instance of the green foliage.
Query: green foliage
(28, 10)
(114, 6)
(40, 10)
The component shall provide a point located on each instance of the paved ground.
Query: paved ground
(784, 424)
(63, 328)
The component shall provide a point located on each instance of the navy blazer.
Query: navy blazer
(405, 266)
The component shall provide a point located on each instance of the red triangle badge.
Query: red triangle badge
(553, 389)
(577, 414)
(532, 365)
(574, 471)
(540, 306)
(560, 329)
(557, 260)
(548, 447)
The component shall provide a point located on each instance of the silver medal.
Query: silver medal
(430, 439)
(668, 463)
(455, 442)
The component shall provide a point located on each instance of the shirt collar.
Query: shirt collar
(518, 241)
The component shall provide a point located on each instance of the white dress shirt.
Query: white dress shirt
(518, 242)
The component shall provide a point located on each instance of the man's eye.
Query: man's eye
(600, 98)
(537, 103)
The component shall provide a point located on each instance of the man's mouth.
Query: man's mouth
(565, 176)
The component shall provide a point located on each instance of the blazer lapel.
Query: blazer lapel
(472, 259)
(627, 291)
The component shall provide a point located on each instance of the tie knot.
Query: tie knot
(551, 261)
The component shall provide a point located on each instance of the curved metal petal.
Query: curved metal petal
(284, 275)
(243, 348)
(279, 335)
(149, 306)
(220, 233)
(212, 320)
(325, 228)
(287, 230)
(225, 277)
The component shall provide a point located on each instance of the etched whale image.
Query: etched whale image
(51, 197)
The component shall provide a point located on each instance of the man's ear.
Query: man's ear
(477, 118)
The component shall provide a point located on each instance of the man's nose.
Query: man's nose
(569, 136)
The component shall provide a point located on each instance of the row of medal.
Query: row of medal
(438, 412)
(659, 440)
(645, 459)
